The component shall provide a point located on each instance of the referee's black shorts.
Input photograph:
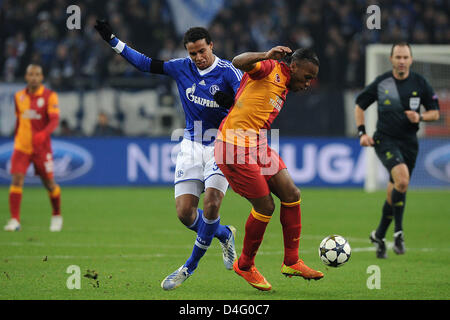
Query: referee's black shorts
(393, 151)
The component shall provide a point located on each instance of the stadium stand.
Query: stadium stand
(78, 61)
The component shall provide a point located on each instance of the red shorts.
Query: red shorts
(248, 169)
(42, 161)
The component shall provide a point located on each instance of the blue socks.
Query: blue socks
(222, 232)
(206, 229)
(194, 226)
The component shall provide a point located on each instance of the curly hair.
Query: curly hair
(196, 33)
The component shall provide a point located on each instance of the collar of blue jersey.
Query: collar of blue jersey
(210, 68)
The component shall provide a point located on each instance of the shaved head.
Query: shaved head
(33, 65)
(34, 77)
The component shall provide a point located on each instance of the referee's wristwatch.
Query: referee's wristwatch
(361, 130)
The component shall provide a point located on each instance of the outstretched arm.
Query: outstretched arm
(246, 61)
(137, 59)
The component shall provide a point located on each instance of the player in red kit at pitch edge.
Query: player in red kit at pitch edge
(37, 117)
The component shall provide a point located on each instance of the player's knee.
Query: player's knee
(292, 195)
(401, 184)
(17, 180)
(269, 206)
(211, 203)
(211, 208)
(50, 184)
(186, 214)
(295, 195)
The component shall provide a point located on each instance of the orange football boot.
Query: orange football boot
(253, 277)
(300, 269)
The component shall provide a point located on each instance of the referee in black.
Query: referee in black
(400, 93)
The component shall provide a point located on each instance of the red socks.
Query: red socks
(254, 233)
(290, 217)
(55, 200)
(15, 198)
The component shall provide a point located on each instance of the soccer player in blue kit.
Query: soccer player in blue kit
(206, 85)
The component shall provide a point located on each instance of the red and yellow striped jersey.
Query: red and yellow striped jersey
(258, 102)
(33, 114)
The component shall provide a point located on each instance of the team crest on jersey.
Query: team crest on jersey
(180, 173)
(414, 103)
(40, 102)
(213, 89)
(277, 77)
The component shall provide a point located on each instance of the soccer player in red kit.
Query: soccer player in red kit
(37, 116)
(252, 168)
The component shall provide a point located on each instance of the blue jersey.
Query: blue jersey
(196, 89)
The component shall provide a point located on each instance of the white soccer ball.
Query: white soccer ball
(334, 251)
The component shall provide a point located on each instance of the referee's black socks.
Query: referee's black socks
(398, 206)
(386, 219)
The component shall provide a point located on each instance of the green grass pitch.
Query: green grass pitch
(131, 238)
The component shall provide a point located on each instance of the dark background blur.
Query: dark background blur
(79, 60)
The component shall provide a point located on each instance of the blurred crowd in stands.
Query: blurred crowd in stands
(35, 31)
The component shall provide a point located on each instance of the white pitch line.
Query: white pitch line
(164, 255)
(121, 245)
(89, 245)
(117, 256)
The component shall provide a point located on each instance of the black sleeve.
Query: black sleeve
(223, 99)
(368, 96)
(429, 98)
(157, 66)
